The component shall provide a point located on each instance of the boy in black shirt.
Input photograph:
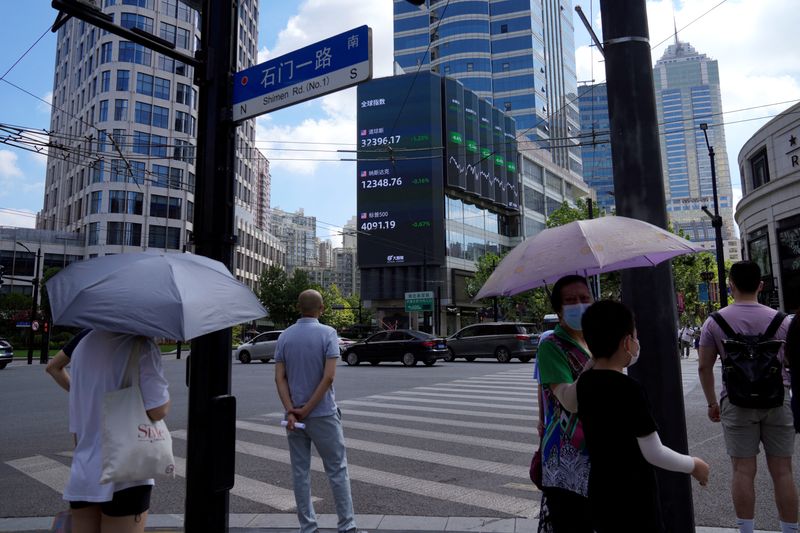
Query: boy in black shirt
(621, 434)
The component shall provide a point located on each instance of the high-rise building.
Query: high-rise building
(518, 55)
(598, 170)
(298, 234)
(124, 123)
(687, 95)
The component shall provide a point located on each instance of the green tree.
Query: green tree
(338, 313)
(297, 283)
(273, 294)
(566, 213)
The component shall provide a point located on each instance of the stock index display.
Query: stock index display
(481, 147)
(419, 134)
(400, 189)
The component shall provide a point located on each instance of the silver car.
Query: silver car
(259, 348)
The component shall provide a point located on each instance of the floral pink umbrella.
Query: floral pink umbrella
(584, 247)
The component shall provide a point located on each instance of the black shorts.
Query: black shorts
(126, 502)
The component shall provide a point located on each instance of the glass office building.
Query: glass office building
(598, 170)
(519, 55)
(687, 95)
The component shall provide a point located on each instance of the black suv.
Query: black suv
(501, 340)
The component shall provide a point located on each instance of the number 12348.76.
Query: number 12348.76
(382, 182)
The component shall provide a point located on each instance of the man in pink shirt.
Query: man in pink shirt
(745, 428)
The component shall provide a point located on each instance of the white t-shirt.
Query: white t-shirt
(97, 366)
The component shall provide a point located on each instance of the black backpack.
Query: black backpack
(751, 370)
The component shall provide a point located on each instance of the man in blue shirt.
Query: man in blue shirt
(305, 366)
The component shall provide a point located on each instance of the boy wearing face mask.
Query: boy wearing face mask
(621, 434)
(561, 358)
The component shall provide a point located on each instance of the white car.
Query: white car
(259, 348)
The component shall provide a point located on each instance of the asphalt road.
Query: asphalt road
(450, 440)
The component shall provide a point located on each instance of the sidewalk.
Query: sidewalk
(287, 523)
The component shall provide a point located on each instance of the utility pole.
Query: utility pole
(716, 223)
(212, 408)
(639, 193)
(34, 304)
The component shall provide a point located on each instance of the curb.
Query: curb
(287, 523)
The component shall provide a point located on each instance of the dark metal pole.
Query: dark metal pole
(212, 409)
(34, 305)
(716, 223)
(639, 193)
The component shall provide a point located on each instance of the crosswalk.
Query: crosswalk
(466, 441)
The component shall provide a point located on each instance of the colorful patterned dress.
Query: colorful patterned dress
(565, 459)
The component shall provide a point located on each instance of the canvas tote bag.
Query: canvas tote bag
(134, 447)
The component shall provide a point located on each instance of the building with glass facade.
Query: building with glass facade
(517, 54)
(124, 122)
(688, 94)
(598, 171)
(768, 214)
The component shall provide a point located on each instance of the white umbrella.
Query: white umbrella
(584, 247)
(176, 296)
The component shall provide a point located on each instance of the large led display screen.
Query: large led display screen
(400, 175)
(481, 147)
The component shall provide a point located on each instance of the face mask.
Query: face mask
(635, 355)
(572, 315)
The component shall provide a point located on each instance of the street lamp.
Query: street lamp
(716, 223)
(35, 283)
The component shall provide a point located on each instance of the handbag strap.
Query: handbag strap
(131, 376)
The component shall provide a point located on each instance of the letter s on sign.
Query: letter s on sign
(353, 73)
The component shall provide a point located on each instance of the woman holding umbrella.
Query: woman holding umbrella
(565, 461)
(98, 364)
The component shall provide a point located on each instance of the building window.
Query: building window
(161, 88)
(160, 117)
(96, 203)
(470, 67)
(105, 81)
(161, 174)
(164, 237)
(788, 231)
(124, 233)
(503, 28)
(167, 32)
(144, 84)
(174, 208)
(92, 234)
(183, 95)
(106, 52)
(143, 113)
(134, 53)
(507, 106)
(133, 20)
(158, 206)
(147, 4)
(123, 80)
(759, 169)
(103, 112)
(120, 109)
(116, 202)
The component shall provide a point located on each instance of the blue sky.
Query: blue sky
(758, 65)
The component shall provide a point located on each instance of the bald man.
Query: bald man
(305, 365)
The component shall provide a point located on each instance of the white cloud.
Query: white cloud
(8, 166)
(263, 55)
(19, 219)
(46, 107)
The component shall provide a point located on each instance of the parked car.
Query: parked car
(405, 345)
(6, 353)
(501, 340)
(344, 342)
(259, 348)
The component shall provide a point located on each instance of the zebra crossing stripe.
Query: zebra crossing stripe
(44, 470)
(475, 392)
(432, 489)
(416, 392)
(453, 402)
(249, 489)
(414, 454)
(442, 410)
(461, 384)
(524, 428)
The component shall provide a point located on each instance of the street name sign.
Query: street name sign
(419, 301)
(320, 68)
